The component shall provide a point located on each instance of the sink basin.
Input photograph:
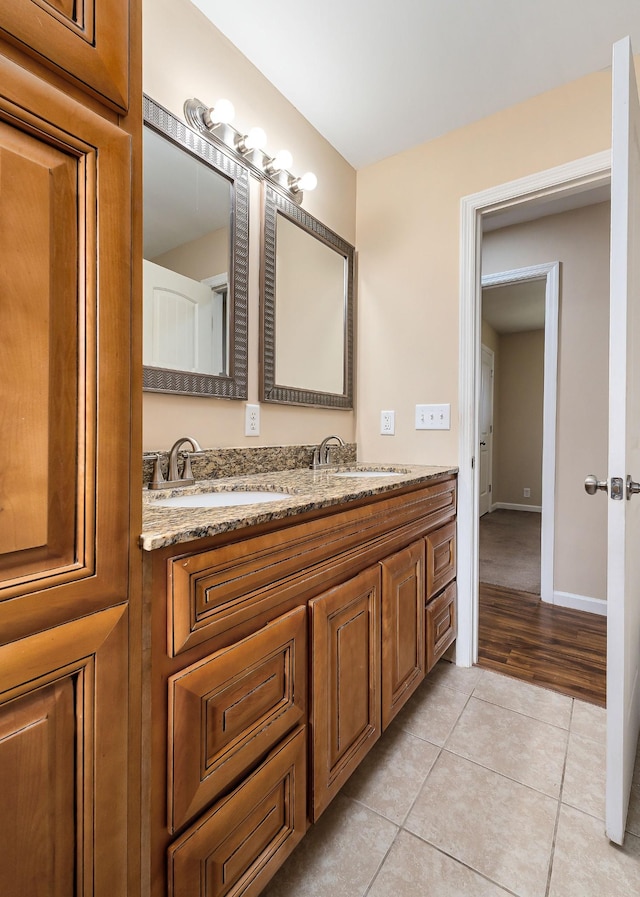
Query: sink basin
(368, 473)
(219, 499)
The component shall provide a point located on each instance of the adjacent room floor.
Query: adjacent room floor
(483, 786)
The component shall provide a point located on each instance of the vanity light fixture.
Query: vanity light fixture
(215, 121)
(221, 113)
(307, 181)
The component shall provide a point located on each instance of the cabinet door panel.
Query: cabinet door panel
(65, 319)
(237, 846)
(345, 696)
(231, 708)
(441, 558)
(63, 752)
(403, 628)
(85, 41)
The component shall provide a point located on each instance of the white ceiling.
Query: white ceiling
(377, 77)
(515, 307)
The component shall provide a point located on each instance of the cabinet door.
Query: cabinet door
(403, 628)
(84, 40)
(441, 558)
(345, 692)
(228, 710)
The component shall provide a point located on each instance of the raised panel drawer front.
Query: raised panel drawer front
(236, 847)
(228, 710)
(441, 558)
(345, 692)
(86, 41)
(403, 628)
(214, 591)
(441, 625)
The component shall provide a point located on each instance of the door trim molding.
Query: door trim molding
(573, 177)
(550, 272)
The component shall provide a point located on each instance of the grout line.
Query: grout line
(557, 822)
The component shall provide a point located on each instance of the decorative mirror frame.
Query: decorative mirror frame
(234, 384)
(275, 203)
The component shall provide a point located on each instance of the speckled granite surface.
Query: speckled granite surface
(235, 462)
(306, 490)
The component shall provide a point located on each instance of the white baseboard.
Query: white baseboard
(507, 506)
(580, 602)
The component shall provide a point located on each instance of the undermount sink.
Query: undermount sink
(219, 499)
(368, 473)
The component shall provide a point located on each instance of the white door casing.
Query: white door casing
(485, 448)
(623, 561)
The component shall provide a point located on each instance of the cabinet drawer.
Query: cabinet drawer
(239, 844)
(441, 558)
(441, 624)
(229, 709)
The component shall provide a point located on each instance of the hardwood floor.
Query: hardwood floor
(555, 647)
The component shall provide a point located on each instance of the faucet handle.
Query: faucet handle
(157, 479)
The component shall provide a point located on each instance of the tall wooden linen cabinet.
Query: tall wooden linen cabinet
(70, 395)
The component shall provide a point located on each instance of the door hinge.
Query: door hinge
(473, 463)
(490, 487)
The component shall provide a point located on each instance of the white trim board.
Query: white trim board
(580, 175)
(581, 602)
(509, 506)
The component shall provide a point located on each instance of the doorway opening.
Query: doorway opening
(580, 183)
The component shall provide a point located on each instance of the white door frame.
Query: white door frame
(550, 273)
(573, 177)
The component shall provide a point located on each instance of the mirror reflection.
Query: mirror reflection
(307, 333)
(194, 297)
(186, 260)
(310, 300)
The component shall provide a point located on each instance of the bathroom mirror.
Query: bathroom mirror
(307, 309)
(195, 248)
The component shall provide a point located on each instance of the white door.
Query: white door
(486, 429)
(623, 569)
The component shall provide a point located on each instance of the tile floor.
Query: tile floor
(483, 786)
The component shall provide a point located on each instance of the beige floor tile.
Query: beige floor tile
(540, 703)
(585, 864)
(500, 828)
(633, 819)
(415, 869)
(462, 679)
(432, 712)
(520, 747)
(391, 776)
(585, 775)
(339, 855)
(589, 720)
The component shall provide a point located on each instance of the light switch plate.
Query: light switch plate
(433, 417)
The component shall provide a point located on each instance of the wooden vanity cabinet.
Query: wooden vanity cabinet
(278, 654)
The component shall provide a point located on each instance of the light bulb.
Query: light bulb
(282, 160)
(221, 113)
(308, 181)
(255, 139)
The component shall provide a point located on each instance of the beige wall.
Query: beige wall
(207, 256)
(185, 56)
(580, 241)
(517, 438)
(408, 238)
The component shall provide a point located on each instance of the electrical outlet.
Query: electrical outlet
(387, 423)
(433, 417)
(526, 492)
(251, 420)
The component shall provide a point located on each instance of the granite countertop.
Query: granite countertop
(307, 490)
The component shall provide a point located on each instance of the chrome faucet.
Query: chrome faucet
(174, 478)
(322, 452)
